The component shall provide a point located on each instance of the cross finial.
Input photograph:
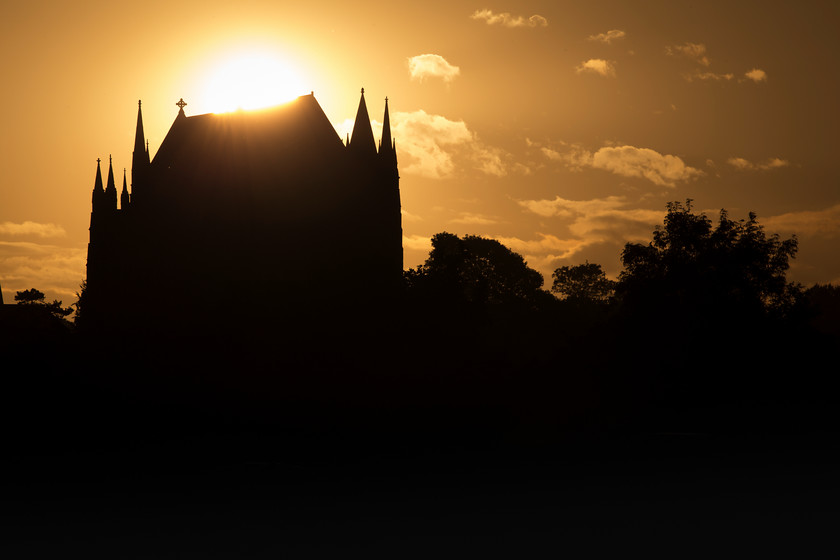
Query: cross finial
(181, 104)
(363, 90)
(98, 160)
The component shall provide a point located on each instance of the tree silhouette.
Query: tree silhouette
(474, 270)
(583, 283)
(81, 298)
(823, 308)
(691, 265)
(31, 296)
(36, 297)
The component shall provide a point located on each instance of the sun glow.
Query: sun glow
(252, 81)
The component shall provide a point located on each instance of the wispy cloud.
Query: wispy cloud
(608, 37)
(697, 53)
(545, 250)
(573, 208)
(585, 224)
(32, 228)
(745, 165)
(809, 222)
(709, 76)
(756, 75)
(597, 66)
(507, 20)
(491, 160)
(693, 51)
(471, 218)
(573, 156)
(417, 242)
(431, 66)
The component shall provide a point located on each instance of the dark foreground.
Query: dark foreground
(256, 495)
(149, 456)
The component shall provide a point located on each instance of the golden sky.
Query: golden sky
(559, 128)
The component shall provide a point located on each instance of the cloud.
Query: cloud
(417, 242)
(756, 75)
(425, 142)
(742, 164)
(597, 66)
(693, 51)
(32, 228)
(470, 218)
(56, 271)
(431, 66)
(429, 145)
(810, 222)
(409, 217)
(508, 20)
(697, 53)
(709, 76)
(583, 225)
(544, 250)
(568, 208)
(491, 161)
(574, 156)
(608, 37)
(628, 161)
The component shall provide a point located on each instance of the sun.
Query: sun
(251, 81)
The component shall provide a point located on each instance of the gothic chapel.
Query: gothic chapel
(244, 219)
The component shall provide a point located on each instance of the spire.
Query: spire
(98, 191)
(97, 184)
(388, 146)
(110, 187)
(139, 135)
(362, 140)
(124, 197)
(386, 129)
(140, 156)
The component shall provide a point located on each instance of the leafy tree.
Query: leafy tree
(30, 297)
(81, 298)
(474, 270)
(583, 283)
(823, 308)
(692, 265)
(36, 297)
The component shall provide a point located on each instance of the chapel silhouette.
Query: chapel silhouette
(246, 219)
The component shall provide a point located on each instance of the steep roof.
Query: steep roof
(276, 165)
(299, 125)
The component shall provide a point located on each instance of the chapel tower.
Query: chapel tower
(267, 206)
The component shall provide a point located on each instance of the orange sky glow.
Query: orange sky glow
(561, 129)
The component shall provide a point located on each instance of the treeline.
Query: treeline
(701, 331)
(701, 327)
